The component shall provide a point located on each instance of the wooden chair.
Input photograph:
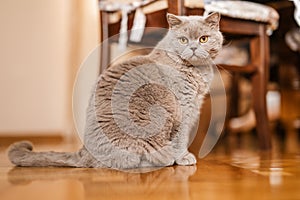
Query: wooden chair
(257, 69)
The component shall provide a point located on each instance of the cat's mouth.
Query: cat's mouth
(195, 56)
(196, 60)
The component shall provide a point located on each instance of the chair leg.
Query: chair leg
(260, 109)
(234, 99)
(104, 46)
(259, 48)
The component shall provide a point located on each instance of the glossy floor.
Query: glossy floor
(234, 170)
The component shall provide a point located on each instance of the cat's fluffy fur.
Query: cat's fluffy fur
(109, 143)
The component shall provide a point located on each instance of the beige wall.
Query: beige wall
(42, 43)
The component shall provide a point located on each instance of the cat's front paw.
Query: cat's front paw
(187, 159)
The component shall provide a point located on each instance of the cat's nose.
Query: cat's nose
(193, 48)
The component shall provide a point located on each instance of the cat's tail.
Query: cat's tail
(21, 154)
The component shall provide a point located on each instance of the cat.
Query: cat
(144, 111)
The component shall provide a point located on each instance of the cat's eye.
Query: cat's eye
(203, 39)
(183, 40)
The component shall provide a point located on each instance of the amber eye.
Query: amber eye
(203, 39)
(183, 40)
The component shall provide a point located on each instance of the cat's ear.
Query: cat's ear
(213, 20)
(173, 20)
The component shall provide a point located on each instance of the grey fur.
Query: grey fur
(150, 125)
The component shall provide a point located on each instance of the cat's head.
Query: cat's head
(194, 39)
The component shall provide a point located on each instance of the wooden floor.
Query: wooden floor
(234, 170)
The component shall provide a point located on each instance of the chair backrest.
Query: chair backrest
(176, 7)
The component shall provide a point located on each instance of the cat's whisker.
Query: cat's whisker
(219, 66)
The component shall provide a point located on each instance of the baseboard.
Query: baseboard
(38, 139)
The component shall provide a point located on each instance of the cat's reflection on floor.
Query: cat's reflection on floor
(111, 183)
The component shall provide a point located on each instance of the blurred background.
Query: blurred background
(42, 44)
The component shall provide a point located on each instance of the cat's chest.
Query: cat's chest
(199, 79)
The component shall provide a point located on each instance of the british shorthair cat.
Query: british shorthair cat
(143, 111)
